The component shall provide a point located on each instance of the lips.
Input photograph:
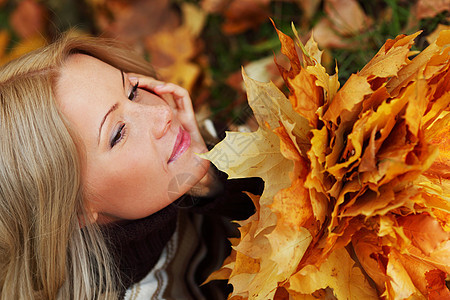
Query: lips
(182, 143)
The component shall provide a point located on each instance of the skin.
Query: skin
(135, 177)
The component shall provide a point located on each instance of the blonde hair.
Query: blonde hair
(44, 254)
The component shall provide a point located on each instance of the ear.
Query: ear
(89, 217)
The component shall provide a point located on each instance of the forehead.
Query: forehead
(84, 68)
(85, 90)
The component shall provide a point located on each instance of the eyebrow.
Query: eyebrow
(113, 108)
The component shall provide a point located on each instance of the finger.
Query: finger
(144, 81)
(181, 96)
(149, 84)
(176, 97)
(185, 108)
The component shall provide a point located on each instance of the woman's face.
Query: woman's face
(137, 153)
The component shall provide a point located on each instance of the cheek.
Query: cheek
(131, 188)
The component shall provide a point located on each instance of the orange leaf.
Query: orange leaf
(424, 231)
(306, 97)
(293, 206)
(437, 290)
(347, 98)
(441, 166)
(288, 49)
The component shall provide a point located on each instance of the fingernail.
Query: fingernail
(159, 86)
(133, 78)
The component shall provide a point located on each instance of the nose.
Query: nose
(160, 118)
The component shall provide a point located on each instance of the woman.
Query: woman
(94, 152)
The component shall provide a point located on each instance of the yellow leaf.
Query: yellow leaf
(271, 107)
(24, 47)
(182, 73)
(408, 72)
(244, 264)
(434, 35)
(390, 58)
(316, 181)
(193, 18)
(367, 246)
(313, 51)
(330, 84)
(399, 286)
(4, 40)
(346, 99)
(287, 248)
(337, 272)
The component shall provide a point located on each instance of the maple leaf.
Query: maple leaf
(362, 168)
(337, 272)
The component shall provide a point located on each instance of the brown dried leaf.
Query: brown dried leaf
(430, 8)
(29, 19)
(133, 21)
(326, 37)
(347, 16)
(213, 6)
(289, 50)
(241, 15)
(309, 7)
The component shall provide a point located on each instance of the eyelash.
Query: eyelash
(120, 134)
(133, 92)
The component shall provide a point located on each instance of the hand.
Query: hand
(179, 100)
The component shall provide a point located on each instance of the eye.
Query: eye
(117, 137)
(133, 93)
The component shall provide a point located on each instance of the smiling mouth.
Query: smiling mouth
(182, 143)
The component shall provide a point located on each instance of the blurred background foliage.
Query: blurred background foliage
(202, 44)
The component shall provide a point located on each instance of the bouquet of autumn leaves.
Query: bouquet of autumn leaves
(356, 203)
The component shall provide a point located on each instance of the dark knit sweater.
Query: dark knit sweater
(137, 244)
